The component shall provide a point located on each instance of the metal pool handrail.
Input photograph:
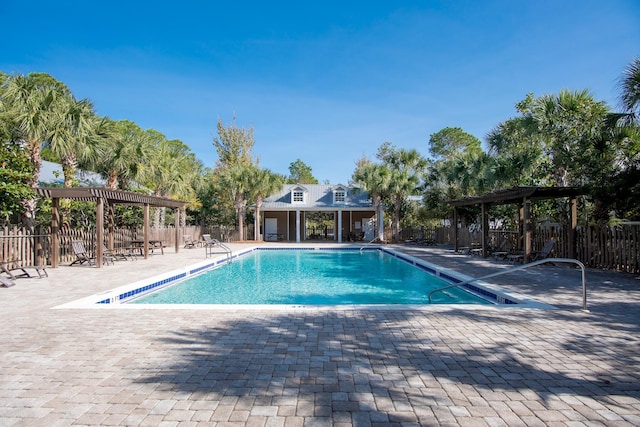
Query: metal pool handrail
(369, 242)
(521, 267)
(226, 248)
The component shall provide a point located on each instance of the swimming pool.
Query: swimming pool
(312, 277)
(120, 296)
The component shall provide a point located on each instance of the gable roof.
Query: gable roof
(317, 197)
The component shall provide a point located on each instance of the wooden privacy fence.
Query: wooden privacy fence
(613, 248)
(34, 248)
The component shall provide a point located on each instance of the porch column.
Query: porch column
(350, 221)
(297, 225)
(339, 226)
(381, 233)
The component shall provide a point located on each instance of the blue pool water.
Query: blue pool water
(311, 277)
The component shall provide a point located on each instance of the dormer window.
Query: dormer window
(339, 196)
(297, 196)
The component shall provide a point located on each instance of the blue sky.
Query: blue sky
(326, 82)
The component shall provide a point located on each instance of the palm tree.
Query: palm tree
(236, 182)
(29, 102)
(570, 125)
(407, 167)
(73, 136)
(630, 88)
(375, 179)
(166, 169)
(263, 183)
(124, 144)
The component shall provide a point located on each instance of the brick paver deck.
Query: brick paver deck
(321, 366)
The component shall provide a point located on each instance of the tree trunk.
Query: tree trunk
(240, 209)
(29, 205)
(396, 231)
(69, 166)
(112, 180)
(256, 231)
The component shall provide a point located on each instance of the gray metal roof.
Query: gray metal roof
(318, 197)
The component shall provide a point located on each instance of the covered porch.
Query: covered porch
(299, 225)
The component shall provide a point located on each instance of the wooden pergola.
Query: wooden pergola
(110, 198)
(522, 196)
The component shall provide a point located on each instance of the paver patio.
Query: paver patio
(440, 365)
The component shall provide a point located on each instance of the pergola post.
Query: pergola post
(55, 232)
(176, 223)
(110, 225)
(145, 231)
(456, 244)
(523, 197)
(99, 231)
(526, 212)
(485, 229)
(573, 222)
(101, 196)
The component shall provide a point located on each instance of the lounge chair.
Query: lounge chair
(429, 241)
(535, 256)
(109, 255)
(8, 267)
(6, 282)
(81, 254)
(500, 251)
(210, 243)
(190, 243)
(417, 239)
(549, 245)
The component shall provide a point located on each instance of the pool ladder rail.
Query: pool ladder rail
(369, 243)
(211, 243)
(521, 267)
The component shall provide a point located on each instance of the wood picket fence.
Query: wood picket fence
(610, 248)
(613, 248)
(34, 248)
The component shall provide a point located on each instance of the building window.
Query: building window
(340, 196)
(298, 196)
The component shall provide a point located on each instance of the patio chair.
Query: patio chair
(419, 238)
(500, 251)
(6, 282)
(535, 256)
(8, 267)
(190, 242)
(81, 254)
(549, 245)
(208, 241)
(109, 255)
